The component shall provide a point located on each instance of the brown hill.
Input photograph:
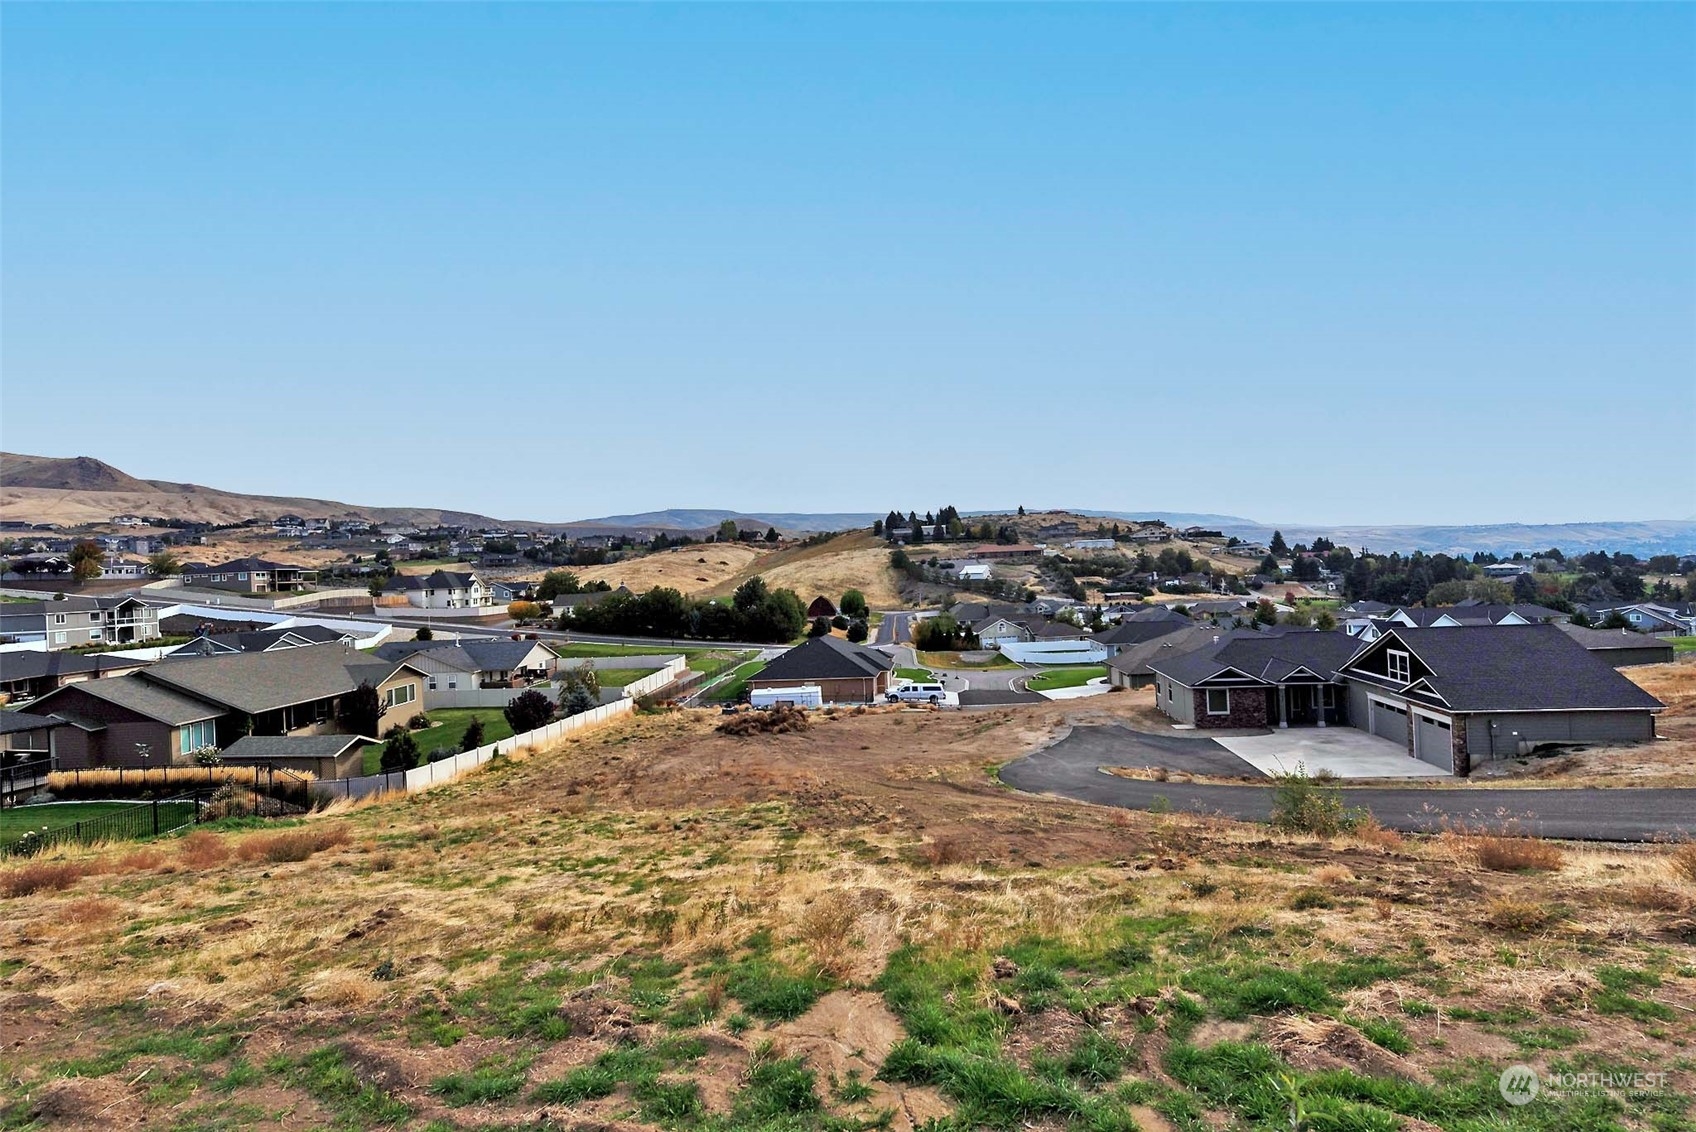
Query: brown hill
(80, 473)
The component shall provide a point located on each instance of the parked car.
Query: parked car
(917, 693)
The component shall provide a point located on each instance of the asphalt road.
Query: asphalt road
(1069, 769)
(892, 630)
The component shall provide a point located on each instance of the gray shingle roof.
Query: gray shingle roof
(1606, 640)
(1136, 659)
(1271, 657)
(30, 665)
(291, 746)
(1517, 668)
(263, 681)
(470, 654)
(827, 658)
(11, 721)
(140, 695)
(1140, 632)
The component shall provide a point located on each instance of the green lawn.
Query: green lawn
(710, 664)
(619, 677)
(918, 675)
(579, 649)
(952, 660)
(1071, 676)
(1682, 644)
(15, 821)
(447, 737)
(731, 689)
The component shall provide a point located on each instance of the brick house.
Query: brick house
(846, 673)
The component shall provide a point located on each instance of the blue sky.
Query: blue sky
(1334, 263)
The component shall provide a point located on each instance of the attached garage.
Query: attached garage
(1433, 740)
(1388, 722)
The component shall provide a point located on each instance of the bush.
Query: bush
(1519, 916)
(1518, 855)
(839, 622)
(1301, 804)
(853, 606)
(857, 631)
(228, 801)
(473, 735)
(424, 634)
(400, 751)
(291, 845)
(528, 711)
(820, 627)
(419, 722)
(779, 720)
(40, 876)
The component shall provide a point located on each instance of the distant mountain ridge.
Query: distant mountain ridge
(84, 490)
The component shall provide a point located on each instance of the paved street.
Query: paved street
(1070, 768)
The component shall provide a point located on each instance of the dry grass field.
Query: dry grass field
(689, 569)
(853, 926)
(855, 560)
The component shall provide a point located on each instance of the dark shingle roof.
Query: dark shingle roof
(827, 658)
(257, 640)
(1606, 640)
(1517, 668)
(1271, 657)
(245, 565)
(1136, 659)
(140, 695)
(263, 681)
(30, 665)
(1140, 632)
(11, 721)
(470, 654)
(291, 746)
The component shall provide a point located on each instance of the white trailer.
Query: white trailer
(801, 696)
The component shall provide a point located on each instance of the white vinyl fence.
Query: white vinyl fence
(448, 769)
(670, 668)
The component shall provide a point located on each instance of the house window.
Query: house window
(1398, 666)
(1218, 701)
(193, 736)
(58, 638)
(94, 634)
(58, 619)
(432, 684)
(401, 694)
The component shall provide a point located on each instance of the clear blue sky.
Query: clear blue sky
(1339, 263)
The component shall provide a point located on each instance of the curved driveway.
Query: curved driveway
(1070, 768)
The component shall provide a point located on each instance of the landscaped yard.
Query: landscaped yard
(619, 677)
(952, 660)
(1071, 676)
(710, 664)
(578, 649)
(1682, 644)
(917, 675)
(731, 689)
(449, 735)
(15, 822)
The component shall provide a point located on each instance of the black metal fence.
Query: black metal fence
(134, 820)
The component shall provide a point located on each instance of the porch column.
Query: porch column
(1319, 702)
(1283, 706)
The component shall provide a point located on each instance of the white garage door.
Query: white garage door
(1389, 722)
(1432, 739)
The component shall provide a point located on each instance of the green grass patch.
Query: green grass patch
(514, 1004)
(917, 675)
(1236, 990)
(448, 737)
(18, 820)
(326, 1074)
(1681, 644)
(619, 677)
(492, 1079)
(1069, 676)
(732, 687)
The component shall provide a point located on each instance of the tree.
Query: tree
(1265, 613)
(556, 582)
(1525, 589)
(1325, 621)
(163, 564)
(1300, 616)
(85, 560)
(473, 737)
(360, 711)
(1021, 510)
(400, 752)
(853, 605)
(424, 634)
(524, 611)
(820, 627)
(1278, 545)
(528, 711)
(374, 587)
(877, 527)
(582, 676)
(857, 631)
(728, 531)
(576, 701)
(772, 535)
(1268, 565)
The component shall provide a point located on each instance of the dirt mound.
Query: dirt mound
(93, 1103)
(779, 720)
(1318, 1044)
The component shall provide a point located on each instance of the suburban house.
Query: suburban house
(1141, 627)
(565, 603)
(114, 566)
(261, 640)
(1621, 648)
(1507, 569)
(1453, 696)
(505, 593)
(76, 620)
(1470, 613)
(1131, 665)
(1648, 617)
(28, 675)
(249, 576)
(165, 712)
(475, 662)
(1012, 552)
(845, 673)
(323, 756)
(26, 737)
(439, 589)
(822, 607)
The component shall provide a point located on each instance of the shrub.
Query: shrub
(40, 876)
(779, 720)
(203, 849)
(419, 722)
(528, 711)
(1683, 859)
(1504, 913)
(1518, 854)
(400, 752)
(820, 627)
(1301, 804)
(857, 631)
(473, 735)
(228, 801)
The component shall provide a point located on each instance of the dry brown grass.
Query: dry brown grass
(1653, 898)
(1517, 854)
(291, 845)
(203, 849)
(1509, 914)
(88, 910)
(40, 876)
(688, 569)
(1682, 858)
(105, 782)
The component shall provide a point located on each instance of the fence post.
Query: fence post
(155, 817)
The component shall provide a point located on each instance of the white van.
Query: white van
(801, 696)
(916, 693)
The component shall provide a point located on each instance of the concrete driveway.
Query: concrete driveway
(1343, 751)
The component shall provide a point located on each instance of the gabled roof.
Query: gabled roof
(255, 682)
(1138, 632)
(258, 640)
(243, 565)
(1136, 660)
(14, 721)
(827, 658)
(1510, 668)
(470, 654)
(292, 746)
(30, 665)
(1605, 640)
(136, 693)
(1270, 658)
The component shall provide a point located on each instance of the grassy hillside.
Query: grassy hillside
(847, 928)
(854, 560)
